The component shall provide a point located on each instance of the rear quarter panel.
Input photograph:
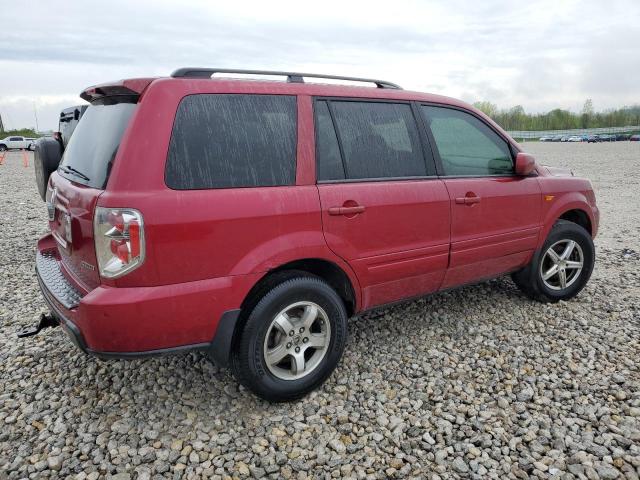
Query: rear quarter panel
(192, 235)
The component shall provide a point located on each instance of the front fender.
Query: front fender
(562, 203)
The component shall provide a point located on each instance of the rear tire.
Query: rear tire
(3, 148)
(292, 340)
(562, 267)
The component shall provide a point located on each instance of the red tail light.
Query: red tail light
(119, 238)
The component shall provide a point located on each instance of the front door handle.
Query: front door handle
(346, 210)
(469, 199)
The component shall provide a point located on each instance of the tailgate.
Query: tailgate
(80, 179)
(71, 209)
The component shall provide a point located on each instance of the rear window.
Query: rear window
(89, 155)
(229, 141)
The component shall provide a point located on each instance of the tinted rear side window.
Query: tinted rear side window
(226, 141)
(379, 140)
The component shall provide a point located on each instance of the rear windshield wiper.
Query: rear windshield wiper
(67, 169)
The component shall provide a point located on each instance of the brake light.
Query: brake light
(119, 239)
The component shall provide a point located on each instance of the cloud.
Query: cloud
(541, 54)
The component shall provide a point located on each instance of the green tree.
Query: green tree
(490, 109)
(587, 113)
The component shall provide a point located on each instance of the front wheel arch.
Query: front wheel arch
(579, 217)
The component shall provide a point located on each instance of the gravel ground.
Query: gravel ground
(478, 382)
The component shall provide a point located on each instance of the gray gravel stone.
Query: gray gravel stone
(459, 465)
(54, 463)
(607, 472)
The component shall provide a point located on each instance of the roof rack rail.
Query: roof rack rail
(292, 77)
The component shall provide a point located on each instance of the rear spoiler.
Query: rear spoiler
(132, 87)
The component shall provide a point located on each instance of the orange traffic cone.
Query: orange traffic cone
(25, 159)
(2, 155)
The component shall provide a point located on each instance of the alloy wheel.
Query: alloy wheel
(562, 264)
(297, 340)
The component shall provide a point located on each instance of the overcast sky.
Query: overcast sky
(539, 54)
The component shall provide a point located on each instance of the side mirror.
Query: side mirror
(525, 164)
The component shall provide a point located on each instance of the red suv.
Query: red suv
(250, 218)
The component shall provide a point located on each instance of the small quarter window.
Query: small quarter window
(329, 162)
(467, 146)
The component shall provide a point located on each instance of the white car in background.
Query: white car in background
(16, 143)
(574, 138)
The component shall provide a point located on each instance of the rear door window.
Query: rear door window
(89, 155)
(467, 146)
(228, 141)
(378, 139)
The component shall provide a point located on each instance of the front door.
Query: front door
(495, 215)
(383, 209)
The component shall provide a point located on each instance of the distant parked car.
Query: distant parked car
(15, 143)
(593, 139)
(564, 138)
(622, 136)
(556, 138)
(574, 138)
(634, 138)
(546, 138)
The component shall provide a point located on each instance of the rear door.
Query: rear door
(495, 219)
(383, 209)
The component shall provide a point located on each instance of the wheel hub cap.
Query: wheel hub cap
(297, 340)
(561, 265)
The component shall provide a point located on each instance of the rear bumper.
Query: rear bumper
(133, 322)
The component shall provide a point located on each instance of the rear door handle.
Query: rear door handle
(468, 200)
(346, 210)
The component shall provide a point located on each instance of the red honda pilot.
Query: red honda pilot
(250, 219)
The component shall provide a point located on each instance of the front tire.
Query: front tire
(562, 267)
(3, 148)
(292, 340)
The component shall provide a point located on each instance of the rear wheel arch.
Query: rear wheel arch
(328, 271)
(323, 269)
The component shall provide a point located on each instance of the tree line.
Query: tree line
(516, 118)
(22, 132)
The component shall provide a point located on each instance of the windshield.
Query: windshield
(94, 143)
